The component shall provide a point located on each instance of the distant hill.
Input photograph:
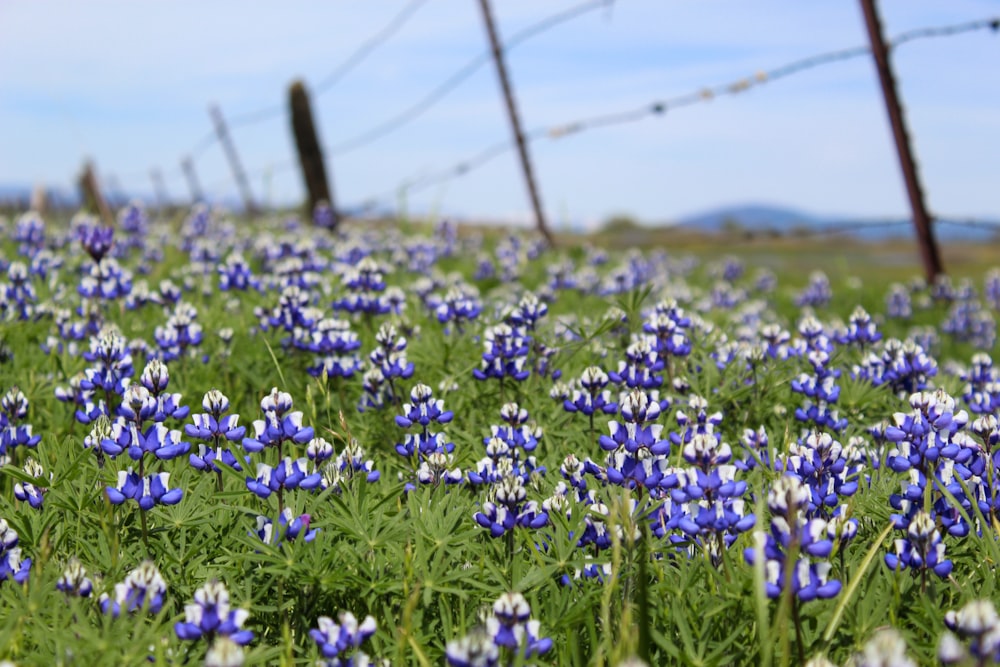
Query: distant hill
(784, 221)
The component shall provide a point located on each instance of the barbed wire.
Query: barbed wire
(436, 94)
(660, 107)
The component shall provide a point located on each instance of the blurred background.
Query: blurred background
(406, 100)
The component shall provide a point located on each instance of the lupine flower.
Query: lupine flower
(364, 285)
(74, 580)
(147, 491)
(423, 411)
(435, 468)
(512, 627)
(289, 528)
(105, 280)
(155, 379)
(476, 649)
(592, 397)
(922, 549)
(17, 296)
(28, 492)
(13, 431)
(389, 355)
(214, 425)
(289, 474)
(641, 366)
(224, 652)
(29, 233)
(11, 564)
(904, 366)
(505, 354)
(348, 464)
(210, 616)
(787, 501)
(860, 330)
(335, 346)
(898, 304)
(112, 363)
(459, 305)
(235, 274)
(510, 509)
(143, 588)
(336, 638)
(816, 293)
(978, 625)
(886, 649)
(95, 238)
(181, 334)
(982, 385)
(280, 424)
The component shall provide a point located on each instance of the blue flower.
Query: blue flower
(28, 492)
(288, 474)
(279, 425)
(289, 528)
(476, 649)
(978, 624)
(808, 579)
(143, 588)
(592, 397)
(335, 638)
(11, 564)
(922, 549)
(95, 238)
(74, 580)
(211, 616)
(506, 351)
(13, 431)
(512, 627)
(147, 491)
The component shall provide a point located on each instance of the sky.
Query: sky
(128, 85)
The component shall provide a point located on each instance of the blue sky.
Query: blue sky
(129, 83)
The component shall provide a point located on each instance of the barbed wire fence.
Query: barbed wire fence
(426, 179)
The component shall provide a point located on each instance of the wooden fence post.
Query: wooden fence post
(310, 151)
(93, 199)
(522, 147)
(921, 220)
(234, 159)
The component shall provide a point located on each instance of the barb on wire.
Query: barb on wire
(702, 95)
(417, 109)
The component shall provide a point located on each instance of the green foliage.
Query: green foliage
(417, 561)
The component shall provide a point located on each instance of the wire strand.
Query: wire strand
(436, 94)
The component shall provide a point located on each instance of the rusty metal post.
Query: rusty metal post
(234, 160)
(310, 151)
(93, 199)
(515, 122)
(921, 220)
(187, 165)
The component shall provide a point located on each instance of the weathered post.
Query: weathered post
(310, 151)
(93, 200)
(234, 160)
(515, 122)
(921, 220)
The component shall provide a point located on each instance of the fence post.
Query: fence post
(515, 122)
(187, 165)
(921, 220)
(310, 151)
(93, 200)
(234, 160)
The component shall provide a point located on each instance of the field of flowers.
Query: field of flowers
(231, 444)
